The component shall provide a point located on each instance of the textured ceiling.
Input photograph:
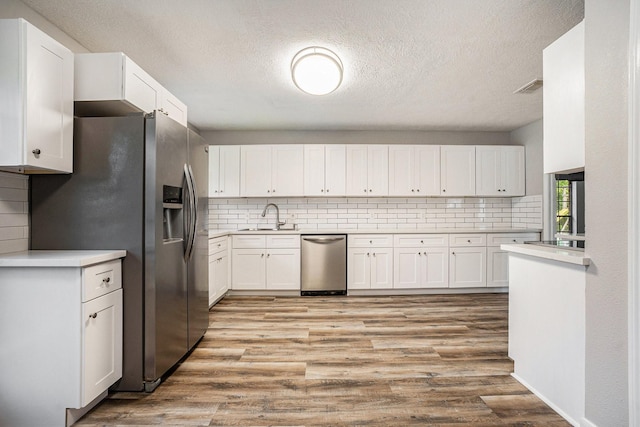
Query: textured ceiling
(409, 64)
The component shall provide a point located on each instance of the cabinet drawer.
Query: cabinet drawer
(218, 244)
(475, 239)
(283, 241)
(420, 240)
(370, 240)
(249, 241)
(500, 238)
(101, 279)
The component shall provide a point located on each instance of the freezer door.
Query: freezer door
(198, 263)
(165, 268)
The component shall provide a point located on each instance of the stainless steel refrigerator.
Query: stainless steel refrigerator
(139, 184)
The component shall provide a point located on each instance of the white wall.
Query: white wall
(606, 82)
(17, 9)
(531, 137)
(355, 137)
(14, 212)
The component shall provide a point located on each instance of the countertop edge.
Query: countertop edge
(220, 233)
(554, 254)
(59, 258)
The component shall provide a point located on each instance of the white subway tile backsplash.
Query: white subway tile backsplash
(14, 212)
(382, 213)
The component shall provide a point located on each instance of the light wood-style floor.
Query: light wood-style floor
(342, 361)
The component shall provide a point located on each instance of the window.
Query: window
(564, 216)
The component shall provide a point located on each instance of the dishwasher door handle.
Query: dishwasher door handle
(323, 239)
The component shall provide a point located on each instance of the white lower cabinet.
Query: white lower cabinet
(61, 317)
(265, 262)
(421, 261)
(218, 268)
(370, 261)
(498, 260)
(468, 261)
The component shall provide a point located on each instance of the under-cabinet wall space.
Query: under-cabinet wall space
(14, 212)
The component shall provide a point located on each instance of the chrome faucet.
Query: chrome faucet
(278, 223)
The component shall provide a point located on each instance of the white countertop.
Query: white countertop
(555, 254)
(219, 233)
(59, 258)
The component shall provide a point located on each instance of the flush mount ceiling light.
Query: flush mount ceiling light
(316, 70)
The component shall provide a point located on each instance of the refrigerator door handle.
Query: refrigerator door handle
(188, 216)
(195, 200)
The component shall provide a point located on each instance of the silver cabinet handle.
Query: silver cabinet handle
(93, 315)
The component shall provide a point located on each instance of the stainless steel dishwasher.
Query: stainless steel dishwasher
(323, 269)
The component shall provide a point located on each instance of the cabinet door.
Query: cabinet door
(467, 267)
(283, 269)
(214, 170)
(222, 275)
(401, 170)
(173, 107)
(248, 269)
(436, 267)
(408, 268)
(427, 170)
(378, 170)
(458, 170)
(497, 267)
(287, 176)
(314, 166)
(489, 180)
(381, 268)
(357, 170)
(513, 171)
(229, 174)
(213, 263)
(140, 89)
(101, 344)
(49, 102)
(255, 170)
(359, 268)
(563, 108)
(335, 170)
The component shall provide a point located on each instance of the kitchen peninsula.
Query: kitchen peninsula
(547, 324)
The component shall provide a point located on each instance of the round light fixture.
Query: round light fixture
(316, 70)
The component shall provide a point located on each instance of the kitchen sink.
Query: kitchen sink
(259, 229)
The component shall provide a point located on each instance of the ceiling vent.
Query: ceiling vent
(530, 87)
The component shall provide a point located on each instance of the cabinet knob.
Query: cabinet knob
(444, 191)
(268, 255)
(321, 190)
(327, 190)
(374, 254)
(453, 253)
(369, 190)
(419, 253)
(413, 191)
(268, 191)
(261, 255)
(221, 191)
(468, 241)
(368, 254)
(365, 190)
(36, 152)
(216, 191)
(106, 280)
(93, 315)
(418, 190)
(273, 191)
(421, 241)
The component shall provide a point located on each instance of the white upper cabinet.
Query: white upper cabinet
(271, 170)
(500, 171)
(367, 170)
(563, 107)
(324, 170)
(36, 112)
(111, 83)
(224, 171)
(414, 170)
(458, 170)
